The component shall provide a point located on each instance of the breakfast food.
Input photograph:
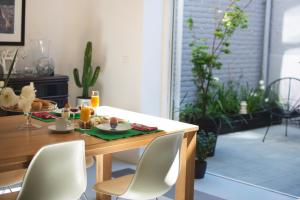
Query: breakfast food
(36, 106)
(100, 120)
(87, 125)
(45, 103)
(40, 104)
(113, 122)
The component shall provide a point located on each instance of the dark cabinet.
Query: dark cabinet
(53, 88)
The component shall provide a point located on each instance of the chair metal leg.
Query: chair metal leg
(84, 194)
(9, 188)
(266, 133)
(271, 122)
(286, 127)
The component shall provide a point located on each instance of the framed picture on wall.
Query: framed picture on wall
(12, 22)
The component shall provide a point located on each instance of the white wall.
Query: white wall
(285, 40)
(117, 34)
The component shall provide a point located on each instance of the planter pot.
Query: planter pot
(200, 169)
(80, 101)
(248, 121)
(213, 149)
(208, 124)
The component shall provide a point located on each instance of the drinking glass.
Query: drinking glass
(28, 125)
(74, 110)
(85, 114)
(95, 100)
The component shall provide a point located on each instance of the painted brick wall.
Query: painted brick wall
(245, 61)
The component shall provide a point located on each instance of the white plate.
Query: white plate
(68, 129)
(121, 127)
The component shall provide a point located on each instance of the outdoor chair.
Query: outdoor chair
(282, 100)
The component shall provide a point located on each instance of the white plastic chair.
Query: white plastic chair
(156, 173)
(56, 172)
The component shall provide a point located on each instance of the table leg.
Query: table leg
(103, 172)
(185, 182)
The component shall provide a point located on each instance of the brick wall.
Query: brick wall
(246, 45)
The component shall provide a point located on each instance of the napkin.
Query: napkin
(142, 127)
(44, 115)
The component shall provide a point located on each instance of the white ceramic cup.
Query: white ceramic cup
(61, 124)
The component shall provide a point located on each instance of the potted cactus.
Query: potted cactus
(89, 76)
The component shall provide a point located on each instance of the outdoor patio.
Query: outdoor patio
(273, 164)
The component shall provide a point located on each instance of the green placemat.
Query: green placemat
(114, 136)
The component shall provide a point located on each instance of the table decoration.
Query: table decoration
(89, 76)
(9, 101)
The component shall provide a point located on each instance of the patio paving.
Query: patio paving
(274, 164)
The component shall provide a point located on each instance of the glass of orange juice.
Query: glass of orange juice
(95, 99)
(85, 114)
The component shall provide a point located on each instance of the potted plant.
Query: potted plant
(206, 58)
(207, 111)
(89, 76)
(205, 143)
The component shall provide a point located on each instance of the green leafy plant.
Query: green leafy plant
(205, 144)
(89, 77)
(190, 113)
(206, 59)
(227, 99)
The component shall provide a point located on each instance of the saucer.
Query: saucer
(68, 129)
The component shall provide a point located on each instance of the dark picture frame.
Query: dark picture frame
(12, 34)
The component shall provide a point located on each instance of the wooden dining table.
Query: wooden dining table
(17, 147)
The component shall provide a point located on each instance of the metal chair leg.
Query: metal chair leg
(84, 194)
(9, 188)
(286, 127)
(271, 122)
(266, 133)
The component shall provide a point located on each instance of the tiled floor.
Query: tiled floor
(213, 185)
(273, 164)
